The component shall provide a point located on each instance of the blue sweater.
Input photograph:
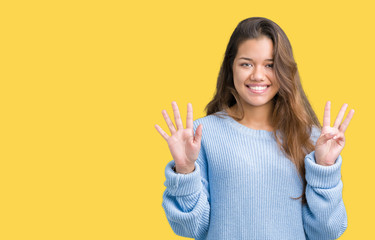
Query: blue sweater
(242, 186)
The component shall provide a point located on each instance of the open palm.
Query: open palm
(332, 139)
(182, 144)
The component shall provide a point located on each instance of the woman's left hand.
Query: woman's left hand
(332, 139)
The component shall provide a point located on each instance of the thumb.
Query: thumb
(324, 138)
(198, 134)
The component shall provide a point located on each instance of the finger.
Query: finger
(189, 116)
(339, 138)
(327, 113)
(177, 116)
(340, 116)
(162, 133)
(168, 121)
(325, 137)
(338, 135)
(346, 122)
(198, 134)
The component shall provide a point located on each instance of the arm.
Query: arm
(324, 216)
(186, 199)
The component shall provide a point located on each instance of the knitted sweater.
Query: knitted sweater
(242, 186)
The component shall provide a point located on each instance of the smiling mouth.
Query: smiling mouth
(258, 88)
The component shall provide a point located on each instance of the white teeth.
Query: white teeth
(258, 88)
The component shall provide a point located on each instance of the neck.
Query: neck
(255, 117)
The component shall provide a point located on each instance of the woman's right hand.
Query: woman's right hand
(182, 143)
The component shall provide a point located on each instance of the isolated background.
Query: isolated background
(84, 82)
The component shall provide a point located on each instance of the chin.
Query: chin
(255, 103)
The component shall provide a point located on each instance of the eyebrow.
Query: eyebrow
(252, 59)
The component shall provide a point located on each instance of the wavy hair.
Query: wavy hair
(292, 116)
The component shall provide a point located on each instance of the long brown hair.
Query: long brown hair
(292, 116)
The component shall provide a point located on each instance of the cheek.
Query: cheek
(240, 76)
(236, 84)
(238, 79)
(271, 75)
(276, 83)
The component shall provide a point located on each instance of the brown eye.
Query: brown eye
(243, 64)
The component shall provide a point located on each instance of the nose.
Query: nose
(257, 74)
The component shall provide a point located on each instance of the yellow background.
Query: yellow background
(84, 82)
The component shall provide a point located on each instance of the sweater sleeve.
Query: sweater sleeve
(324, 215)
(186, 199)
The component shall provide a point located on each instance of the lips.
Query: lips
(257, 85)
(257, 88)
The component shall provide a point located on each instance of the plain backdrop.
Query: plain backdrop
(84, 82)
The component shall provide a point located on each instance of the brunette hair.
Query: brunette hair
(292, 116)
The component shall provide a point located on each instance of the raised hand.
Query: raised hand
(182, 143)
(332, 139)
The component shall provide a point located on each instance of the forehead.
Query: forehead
(256, 48)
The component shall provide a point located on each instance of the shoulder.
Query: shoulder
(210, 121)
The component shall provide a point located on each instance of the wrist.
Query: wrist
(183, 170)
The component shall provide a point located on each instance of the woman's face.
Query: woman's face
(253, 73)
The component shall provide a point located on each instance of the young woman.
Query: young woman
(262, 147)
